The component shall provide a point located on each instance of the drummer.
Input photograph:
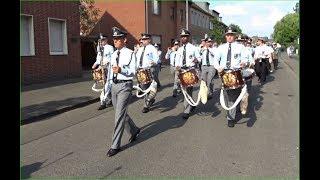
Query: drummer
(208, 70)
(262, 56)
(187, 57)
(231, 56)
(171, 55)
(147, 57)
(201, 49)
(247, 73)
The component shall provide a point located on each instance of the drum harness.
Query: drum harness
(240, 97)
(203, 91)
(153, 86)
(202, 95)
(95, 83)
(243, 90)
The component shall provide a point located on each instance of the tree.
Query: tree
(88, 16)
(236, 28)
(286, 31)
(218, 30)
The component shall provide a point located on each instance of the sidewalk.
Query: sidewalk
(293, 62)
(43, 100)
(40, 101)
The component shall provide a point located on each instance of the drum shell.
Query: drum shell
(238, 79)
(99, 75)
(188, 82)
(143, 76)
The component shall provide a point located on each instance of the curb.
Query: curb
(290, 66)
(58, 111)
(286, 61)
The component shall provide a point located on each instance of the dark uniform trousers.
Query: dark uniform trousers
(261, 69)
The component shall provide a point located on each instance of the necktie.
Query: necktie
(117, 61)
(141, 57)
(207, 58)
(184, 55)
(174, 60)
(229, 57)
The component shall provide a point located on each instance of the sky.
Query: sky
(255, 17)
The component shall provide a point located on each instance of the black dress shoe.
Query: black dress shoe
(152, 101)
(174, 93)
(134, 137)
(109, 105)
(102, 107)
(193, 108)
(185, 116)
(231, 123)
(145, 110)
(209, 97)
(112, 152)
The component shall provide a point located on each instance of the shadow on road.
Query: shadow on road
(210, 108)
(155, 128)
(135, 98)
(27, 170)
(168, 103)
(255, 103)
(269, 78)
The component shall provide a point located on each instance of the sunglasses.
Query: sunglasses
(117, 38)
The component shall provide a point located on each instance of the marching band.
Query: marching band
(235, 61)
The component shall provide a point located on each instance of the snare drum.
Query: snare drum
(231, 79)
(144, 76)
(188, 77)
(248, 74)
(98, 75)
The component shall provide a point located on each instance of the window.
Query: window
(194, 18)
(203, 21)
(156, 7)
(172, 12)
(181, 15)
(197, 19)
(211, 25)
(57, 36)
(26, 36)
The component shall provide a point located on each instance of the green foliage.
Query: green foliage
(88, 16)
(286, 31)
(236, 28)
(218, 31)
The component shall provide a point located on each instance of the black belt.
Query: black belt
(122, 81)
(206, 65)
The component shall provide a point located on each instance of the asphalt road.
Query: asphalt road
(263, 144)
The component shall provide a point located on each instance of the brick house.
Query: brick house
(162, 19)
(49, 41)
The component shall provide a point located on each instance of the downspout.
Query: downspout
(146, 16)
(187, 17)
